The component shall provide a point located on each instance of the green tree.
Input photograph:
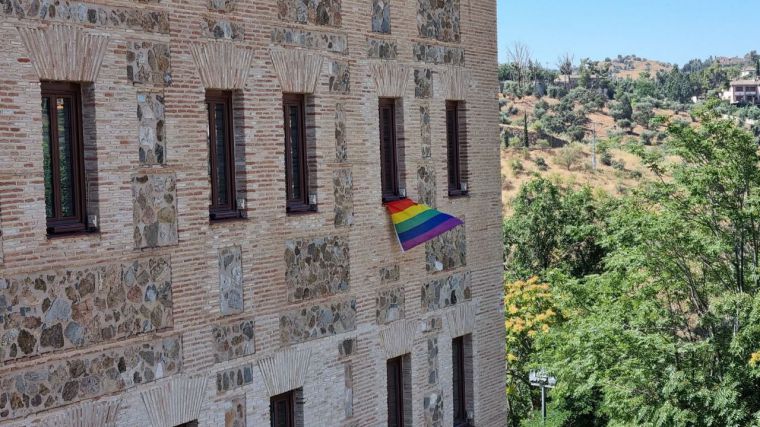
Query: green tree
(668, 333)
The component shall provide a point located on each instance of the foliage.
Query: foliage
(517, 166)
(528, 310)
(540, 162)
(569, 155)
(664, 330)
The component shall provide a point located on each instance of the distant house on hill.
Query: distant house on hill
(744, 91)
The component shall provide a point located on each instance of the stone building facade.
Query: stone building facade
(158, 316)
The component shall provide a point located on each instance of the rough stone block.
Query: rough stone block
(432, 361)
(389, 305)
(75, 12)
(381, 49)
(83, 377)
(316, 267)
(381, 16)
(343, 191)
(438, 19)
(425, 139)
(438, 54)
(339, 77)
(442, 293)
(234, 413)
(151, 130)
(341, 147)
(426, 184)
(155, 210)
(230, 379)
(232, 340)
(149, 63)
(231, 280)
(390, 274)
(337, 43)
(447, 251)
(347, 348)
(317, 12)
(222, 5)
(56, 310)
(433, 407)
(423, 83)
(317, 321)
(222, 29)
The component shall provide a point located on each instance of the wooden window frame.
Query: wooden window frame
(393, 193)
(227, 210)
(454, 149)
(289, 397)
(397, 365)
(296, 204)
(77, 223)
(459, 382)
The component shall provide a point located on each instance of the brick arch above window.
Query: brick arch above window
(390, 79)
(398, 338)
(454, 83)
(285, 371)
(88, 414)
(64, 53)
(297, 70)
(222, 65)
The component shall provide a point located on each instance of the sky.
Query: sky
(673, 31)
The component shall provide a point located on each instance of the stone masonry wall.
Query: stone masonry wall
(157, 295)
(56, 310)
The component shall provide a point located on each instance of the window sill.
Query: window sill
(457, 194)
(389, 199)
(301, 210)
(72, 233)
(226, 216)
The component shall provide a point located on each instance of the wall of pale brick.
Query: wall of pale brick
(345, 155)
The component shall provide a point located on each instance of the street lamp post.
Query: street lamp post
(543, 380)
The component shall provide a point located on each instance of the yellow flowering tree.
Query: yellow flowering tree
(528, 311)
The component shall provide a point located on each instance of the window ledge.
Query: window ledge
(302, 211)
(238, 217)
(458, 194)
(73, 234)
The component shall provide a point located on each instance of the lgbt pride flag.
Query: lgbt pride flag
(416, 223)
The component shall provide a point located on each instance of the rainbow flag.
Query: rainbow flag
(416, 223)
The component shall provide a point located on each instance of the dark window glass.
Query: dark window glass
(453, 148)
(296, 170)
(458, 372)
(282, 410)
(63, 157)
(395, 372)
(193, 423)
(388, 150)
(221, 155)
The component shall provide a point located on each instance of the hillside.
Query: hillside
(519, 166)
(632, 67)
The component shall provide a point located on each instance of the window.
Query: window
(454, 149)
(399, 391)
(286, 410)
(461, 370)
(296, 161)
(193, 423)
(389, 173)
(221, 155)
(63, 157)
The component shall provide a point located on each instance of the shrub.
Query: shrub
(625, 124)
(577, 133)
(647, 137)
(504, 118)
(543, 144)
(517, 166)
(556, 92)
(606, 158)
(569, 155)
(618, 165)
(541, 164)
